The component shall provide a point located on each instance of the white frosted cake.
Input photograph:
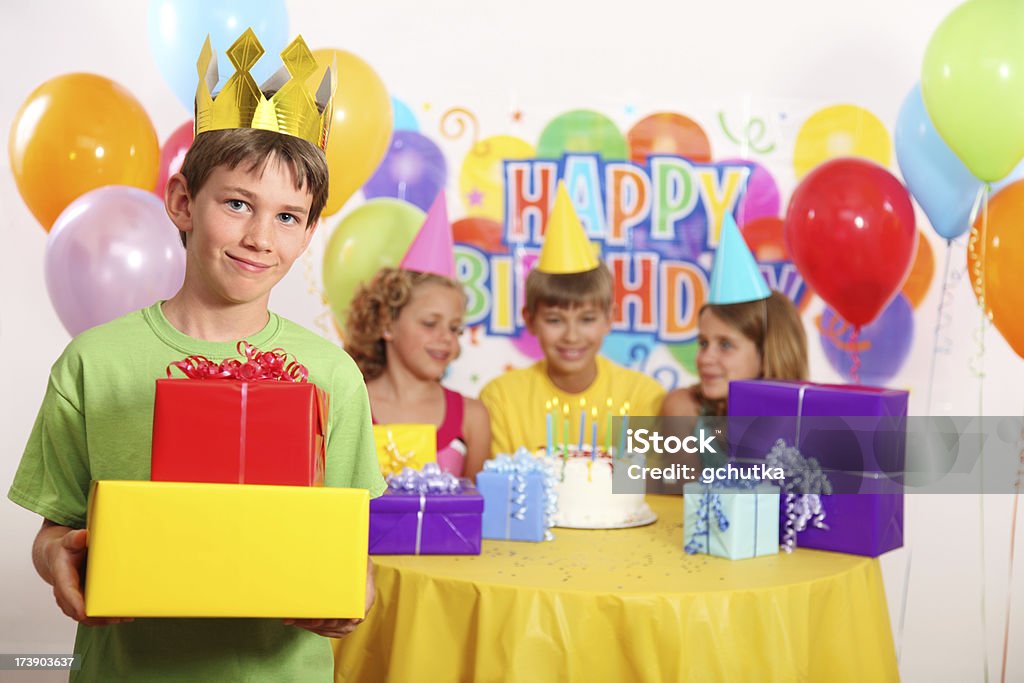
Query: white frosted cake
(585, 498)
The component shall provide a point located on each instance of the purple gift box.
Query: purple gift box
(413, 523)
(858, 436)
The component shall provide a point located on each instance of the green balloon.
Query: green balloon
(973, 85)
(582, 131)
(374, 236)
(685, 355)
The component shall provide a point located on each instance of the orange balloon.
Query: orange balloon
(361, 126)
(995, 260)
(921, 272)
(75, 133)
(668, 133)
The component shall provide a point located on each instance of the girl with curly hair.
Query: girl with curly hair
(403, 330)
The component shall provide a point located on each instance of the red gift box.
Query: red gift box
(216, 427)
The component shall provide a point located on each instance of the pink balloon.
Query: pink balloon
(528, 345)
(762, 196)
(112, 251)
(172, 154)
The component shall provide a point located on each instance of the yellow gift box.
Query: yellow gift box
(168, 549)
(405, 445)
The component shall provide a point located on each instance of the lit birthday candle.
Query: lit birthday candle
(565, 428)
(554, 417)
(547, 419)
(583, 417)
(593, 433)
(623, 413)
(608, 440)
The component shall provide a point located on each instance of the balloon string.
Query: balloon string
(906, 589)
(940, 323)
(1013, 553)
(855, 355)
(979, 237)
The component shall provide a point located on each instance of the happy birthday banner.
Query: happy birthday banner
(656, 224)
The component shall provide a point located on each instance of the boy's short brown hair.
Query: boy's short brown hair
(233, 146)
(569, 290)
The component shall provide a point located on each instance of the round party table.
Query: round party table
(622, 605)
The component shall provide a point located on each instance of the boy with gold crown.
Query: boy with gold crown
(569, 309)
(247, 201)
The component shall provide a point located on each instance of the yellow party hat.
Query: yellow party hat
(283, 103)
(566, 248)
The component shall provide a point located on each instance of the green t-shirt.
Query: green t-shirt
(96, 422)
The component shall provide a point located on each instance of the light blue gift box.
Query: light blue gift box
(731, 522)
(519, 498)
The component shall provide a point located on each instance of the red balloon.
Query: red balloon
(850, 231)
(482, 233)
(172, 154)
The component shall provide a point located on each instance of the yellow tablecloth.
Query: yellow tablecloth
(622, 605)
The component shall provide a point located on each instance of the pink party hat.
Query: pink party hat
(433, 249)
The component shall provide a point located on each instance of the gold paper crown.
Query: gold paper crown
(291, 108)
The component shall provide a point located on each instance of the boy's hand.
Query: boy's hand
(64, 553)
(339, 628)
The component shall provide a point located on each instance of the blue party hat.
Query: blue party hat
(735, 277)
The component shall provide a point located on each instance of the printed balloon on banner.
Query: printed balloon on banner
(177, 29)
(112, 251)
(843, 130)
(767, 242)
(583, 131)
(668, 133)
(686, 355)
(76, 133)
(403, 117)
(414, 170)
(375, 235)
(360, 127)
(996, 257)
(482, 177)
(937, 179)
(919, 281)
(628, 349)
(972, 82)
(172, 155)
(761, 199)
(883, 346)
(482, 233)
(850, 230)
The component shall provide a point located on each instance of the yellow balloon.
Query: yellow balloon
(361, 127)
(482, 177)
(75, 133)
(843, 130)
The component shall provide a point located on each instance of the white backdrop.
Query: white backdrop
(544, 58)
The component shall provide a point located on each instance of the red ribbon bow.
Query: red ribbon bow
(258, 365)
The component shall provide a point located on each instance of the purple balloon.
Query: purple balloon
(413, 170)
(112, 251)
(884, 344)
(762, 196)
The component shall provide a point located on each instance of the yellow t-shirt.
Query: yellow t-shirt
(516, 402)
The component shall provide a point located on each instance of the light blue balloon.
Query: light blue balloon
(404, 118)
(935, 176)
(177, 29)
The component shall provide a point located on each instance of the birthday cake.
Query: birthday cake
(585, 498)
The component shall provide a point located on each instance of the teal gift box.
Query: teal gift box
(734, 522)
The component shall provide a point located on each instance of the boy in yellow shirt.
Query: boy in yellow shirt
(569, 309)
